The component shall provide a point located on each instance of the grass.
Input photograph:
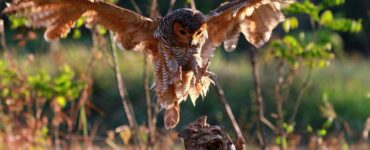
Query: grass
(346, 83)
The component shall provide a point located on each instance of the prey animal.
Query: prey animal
(179, 45)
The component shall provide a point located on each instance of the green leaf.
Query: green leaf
(80, 22)
(281, 141)
(326, 17)
(322, 132)
(61, 101)
(291, 23)
(44, 131)
(345, 25)
(101, 30)
(5, 92)
(76, 34)
(112, 1)
(309, 129)
(327, 124)
(306, 7)
(16, 22)
(278, 140)
(329, 3)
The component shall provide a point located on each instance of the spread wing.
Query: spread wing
(132, 30)
(254, 18)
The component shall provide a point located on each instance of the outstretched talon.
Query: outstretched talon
(203, 71)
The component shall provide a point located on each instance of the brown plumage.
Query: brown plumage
(180, 44)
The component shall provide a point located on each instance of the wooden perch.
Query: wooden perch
(199, 135)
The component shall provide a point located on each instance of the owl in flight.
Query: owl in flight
(179, 45)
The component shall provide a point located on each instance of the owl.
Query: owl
(179, 45)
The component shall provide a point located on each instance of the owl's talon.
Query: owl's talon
(210, 74)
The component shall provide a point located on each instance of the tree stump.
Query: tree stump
(199, 135)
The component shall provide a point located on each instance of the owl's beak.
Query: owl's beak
(190, 42)
(193, 42)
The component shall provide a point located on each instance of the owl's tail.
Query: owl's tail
(57, 16)
(172, 116)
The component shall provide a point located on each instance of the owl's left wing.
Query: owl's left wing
(254, 18)
(133, 31)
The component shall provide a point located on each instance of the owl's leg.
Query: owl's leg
(203, 71)
(172, 116)
(196, 62)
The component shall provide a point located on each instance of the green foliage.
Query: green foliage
(313, 49)
(322, 132)
(26, 100)
(61, 87)
(281, 141)
(329, 3)
(101, 30)
(16, 22)
(306, 7)
(298, 52)
(6, 74)
(290, 23)
(288, 128)
(310, 49)
(326, 19)
(76, 31)
(344, 25)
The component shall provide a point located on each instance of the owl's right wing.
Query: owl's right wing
(133, 31)
(254, 18)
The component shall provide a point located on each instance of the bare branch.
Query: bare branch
(122, 88)
(154, 9)
(258, 99)
(172, 4)
(136, 6)
(8, 54)
(227, 108)
(299, 97)
(192, 4)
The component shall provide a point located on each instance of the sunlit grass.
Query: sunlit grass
(346, 82)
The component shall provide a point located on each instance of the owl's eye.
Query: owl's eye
(182, 32)
(198, 32)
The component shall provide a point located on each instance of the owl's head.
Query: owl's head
(188, 26)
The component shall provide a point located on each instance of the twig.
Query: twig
(230, 115)
(151, 122)
(151, 126)
(2, 33)
(86, 93)
(8, 54)
(120, 83)
(172, 4)
(278, 96)
(127, 106)
(56, 138)
(299, 97)
(279, 99)
(154, 9)
(191, 3)
(121, 87)
(136, 6)
(258, 99)
(365, 132)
